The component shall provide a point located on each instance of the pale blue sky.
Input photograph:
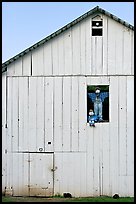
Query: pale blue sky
(26, 23)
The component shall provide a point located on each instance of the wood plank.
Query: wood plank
(83, 47)
(105, 45)
(119, 60)
(37, 62)
(122, 125)
(127, 51)
(67, 40)
(132, 52)
(76, 52)
(66, 113)
(18, 67)
(4, 131)
(47, 57)
(11, 69)
(40, 114)
(15, 114)
(96, 160)
(82, 113)
(130, 125)
(111, 46)
(26, 65)
(114, 154)
(105, 165)
(21, 92)
(89, 160)
(74, 114)
(32, 113)
(25, 110)
(55, 59)
(49, 108)
(61, 55)
(58, 114)
(88, 46)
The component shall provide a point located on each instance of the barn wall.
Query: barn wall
(48, 114)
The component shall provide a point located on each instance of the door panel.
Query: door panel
(41, 174)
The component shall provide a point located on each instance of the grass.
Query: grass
(62, 199)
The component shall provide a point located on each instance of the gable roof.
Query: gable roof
(69, 25)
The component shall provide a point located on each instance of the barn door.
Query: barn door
(41, 174)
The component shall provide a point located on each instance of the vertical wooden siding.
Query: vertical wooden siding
(48, 114)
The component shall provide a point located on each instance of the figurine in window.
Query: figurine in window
(97, 98)
(92, 118)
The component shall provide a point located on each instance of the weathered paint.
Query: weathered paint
(48, 147)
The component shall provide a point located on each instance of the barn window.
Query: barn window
(97, 27)
(98, 103)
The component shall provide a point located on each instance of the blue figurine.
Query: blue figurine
(92, 118)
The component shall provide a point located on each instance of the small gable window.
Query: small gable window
(97, 26)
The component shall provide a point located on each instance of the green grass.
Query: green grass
(62, 199)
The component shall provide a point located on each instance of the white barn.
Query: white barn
(48, 147)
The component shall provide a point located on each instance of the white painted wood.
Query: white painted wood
(23, 113)
(18, 67)
(32, 113)
(26, 65)
(75, 114)
(130, 125)
(127, 51)
(105, 162)
(114, 146)
(40, 114)
(37, 62)
(49, 112)
(132, 52)
(55, 58)
(21, 109)
(83, 47)
(105, 45)
(58, 114)
(97, 55)
(61, 55)
(76, 49)
(4, 132)
(41, 174)
(70, 179)
(96, 160)
(67, 41)
(11, 69)
(15, 114)
(47, 57)
(66, 113)
(82, 113)
(89, 160)
(119, 60)
(111, 46)
(122, 125)
(88, 45)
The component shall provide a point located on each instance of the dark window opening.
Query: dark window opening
(97, 32)
(97, 23)
(98, 102)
